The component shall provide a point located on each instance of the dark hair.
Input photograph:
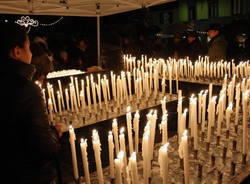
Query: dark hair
(11, 35)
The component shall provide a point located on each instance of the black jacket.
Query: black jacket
(29, 144)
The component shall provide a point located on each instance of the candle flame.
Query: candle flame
(122, 130)
(165, 147)
(185, 133)
(120, 155)
(128, 109)
(133, 156)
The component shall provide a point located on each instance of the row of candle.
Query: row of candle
(75, 98)
(186, 68)
(119, 165)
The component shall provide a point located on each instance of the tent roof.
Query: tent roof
(87, 8)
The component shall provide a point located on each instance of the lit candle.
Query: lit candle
(77, 91)
(129, 127)
(145, 155)
(200, 105)
(163, 104)
(85, 163)
(97, 151)
(72, 138)
(210, 91)
(136, 130)
(220, 114)
(211, 111)
(67, 99)
(59, 102)
(88, 92)
(123, 148)
(164, 128)
(115, 132)
(163, 161)
(229, 111)
(204, 107)
(237, 97)
(61, 93)
(245, 120)
(118, 167)
(184, 150)
(50, 109)
(111, 155)
(133, 168)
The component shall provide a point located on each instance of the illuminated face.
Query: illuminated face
(212, 33)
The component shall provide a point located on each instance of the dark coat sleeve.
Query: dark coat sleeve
(42, 140)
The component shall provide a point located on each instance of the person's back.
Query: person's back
(30, 144)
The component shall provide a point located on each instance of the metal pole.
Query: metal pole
(98, 42)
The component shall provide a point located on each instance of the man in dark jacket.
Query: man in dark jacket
(30, 145)
(217, 46)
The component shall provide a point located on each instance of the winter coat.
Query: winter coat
(29, 144)
(217, 48)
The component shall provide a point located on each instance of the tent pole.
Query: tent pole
(98, 42)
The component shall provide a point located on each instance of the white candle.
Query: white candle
(115, 132)
(129, 127)
(133, 168)
(145, 155)
(67, 99)
(59, 102)
(229, 111)
(72, 138)
(185, 156)
(210, 91)
(77, 91)
(245, 100)
(164, 128)
(88, 92)
(183, 123)
(163, 162)
(220, 114)
(50, 109)
(111, 155)
(200, 105)
(61, 93)
(136, 130)
(85, 163)
(237, 97)
(211, 111)
(118, 167)
(163, 105)
(123, 148)
(97, 151)
(204, 108)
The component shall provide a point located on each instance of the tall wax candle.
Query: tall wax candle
(111, 154)
(163, 161)
(115, 132)
(129, 127)
(83, 146)
(245, 100)
(133, 168)
(136, 130)
(72, 138)
(118, 167)
(97, 151)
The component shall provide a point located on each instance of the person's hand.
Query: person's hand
(95, 69)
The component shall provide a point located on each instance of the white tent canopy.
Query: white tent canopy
(85, 8)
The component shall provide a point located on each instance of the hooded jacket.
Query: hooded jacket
(30, 143)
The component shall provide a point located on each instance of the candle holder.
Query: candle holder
(212, 161)
(218, 140)
(232, 171)
(196, 154)
(227, 134)
(199, 170)
(224, 154)
(234, 145)
(219, 177)
(207, 146)
(244, 159)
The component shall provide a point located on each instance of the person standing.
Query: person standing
(194, 46)
(30, 145)
(217, 46)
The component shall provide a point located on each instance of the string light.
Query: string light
(28, 22)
